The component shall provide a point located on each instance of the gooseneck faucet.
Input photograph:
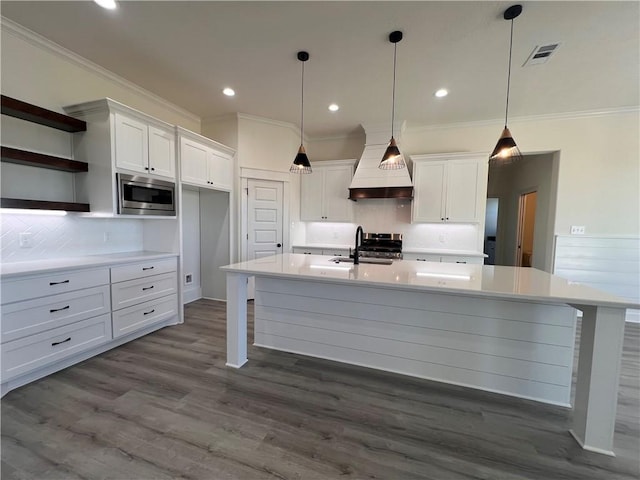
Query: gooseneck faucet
(356, 253)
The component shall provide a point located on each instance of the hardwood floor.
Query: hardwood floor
(165, 406)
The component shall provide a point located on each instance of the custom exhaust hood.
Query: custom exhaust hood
(371, 182)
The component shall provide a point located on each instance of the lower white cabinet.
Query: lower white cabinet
(333, 252)
(139, 316)
(53, 320)
(430, 257)
(35, 351)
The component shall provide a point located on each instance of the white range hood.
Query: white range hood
(369, 181)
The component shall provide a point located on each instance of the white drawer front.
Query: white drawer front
(133, 318)
(34, 316)
(421, 257)
(27, 354)
(459, 259)
(35, 286)
(133, 292)
(123, 273)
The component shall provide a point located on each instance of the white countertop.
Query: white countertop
(477, 280)
(8, 270)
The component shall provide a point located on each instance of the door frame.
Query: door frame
(520, 223)
(257, 174)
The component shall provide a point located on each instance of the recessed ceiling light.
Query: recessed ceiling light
(229, 92)
(443, 92)
(333, 107)
(108, 4)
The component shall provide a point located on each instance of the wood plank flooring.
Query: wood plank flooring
(165, 406)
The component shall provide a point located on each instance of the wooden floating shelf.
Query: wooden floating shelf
(33, 159)
(43, 205)
(32, 113)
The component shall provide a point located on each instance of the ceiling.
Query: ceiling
(187, 51)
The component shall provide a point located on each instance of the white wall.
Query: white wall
(191, 244)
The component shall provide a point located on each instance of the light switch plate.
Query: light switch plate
(577, 229)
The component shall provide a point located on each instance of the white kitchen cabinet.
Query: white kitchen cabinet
(308, 250)
(120, 139)
(443, 258)
(449, 188)
(51, 320)
(333, 252)
(142, 294)
(324, 194)
(205, 163)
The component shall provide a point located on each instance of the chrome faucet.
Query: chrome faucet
(356, 253)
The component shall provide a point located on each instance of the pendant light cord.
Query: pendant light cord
(302, 106)
(393, 95)
(506, 111)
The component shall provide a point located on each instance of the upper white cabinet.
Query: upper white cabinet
(325, 192)
(449, 188)
(119, 139)
(144, 148)
(204, 162)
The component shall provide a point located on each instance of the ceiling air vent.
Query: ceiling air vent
(542, 54)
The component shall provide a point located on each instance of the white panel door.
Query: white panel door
(264, 226)
(194, 160)
(162, 153)
(462, 191)
(132, 151)
(429, 183)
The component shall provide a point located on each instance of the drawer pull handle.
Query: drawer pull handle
(59, 309)
(460, 262)
(421, 259)
(147, 268)
(147, 313)
(63, 341)
(58, 283)
(147, 288)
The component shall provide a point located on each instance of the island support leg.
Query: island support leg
(600, 354)
(236, 320)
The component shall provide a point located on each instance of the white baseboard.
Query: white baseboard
(191, 294)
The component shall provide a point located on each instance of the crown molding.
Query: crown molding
(44, 43)
(528, 118)
(270, 121)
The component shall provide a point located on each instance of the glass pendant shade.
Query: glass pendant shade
(506, 150)
(301, 163)
(392, 158)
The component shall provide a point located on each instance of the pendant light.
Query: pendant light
(506, 150)
(301, 163)
(392, 158)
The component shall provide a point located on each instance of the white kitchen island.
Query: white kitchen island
(508, 330)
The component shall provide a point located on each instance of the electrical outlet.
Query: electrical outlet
(25, 240)
(577, 229)
(188, 279)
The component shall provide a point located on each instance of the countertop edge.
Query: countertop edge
(35, 267)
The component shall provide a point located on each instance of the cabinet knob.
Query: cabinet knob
(442, 218)
(278, 245)
(146, 168)
(153, 169)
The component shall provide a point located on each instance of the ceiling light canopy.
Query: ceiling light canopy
(392, 158)
(301, 163)
(229, 92)
(506, 150)
(108, 4)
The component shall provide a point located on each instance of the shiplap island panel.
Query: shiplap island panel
(506, 329)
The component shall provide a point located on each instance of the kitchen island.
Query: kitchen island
(508, 330)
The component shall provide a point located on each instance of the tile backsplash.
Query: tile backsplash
(394, 216)
(66, 236)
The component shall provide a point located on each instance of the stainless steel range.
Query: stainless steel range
(381, 245)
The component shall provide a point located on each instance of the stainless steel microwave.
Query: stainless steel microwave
(139, 195)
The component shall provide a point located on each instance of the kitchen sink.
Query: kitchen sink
(377, 261)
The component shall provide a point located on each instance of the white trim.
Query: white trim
(191, 294)
(269, 121)
(184, 132)
(527, 118)
(44, 43)
(260, 174)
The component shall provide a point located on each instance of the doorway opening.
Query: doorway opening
(526, 226)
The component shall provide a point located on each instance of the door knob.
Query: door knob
(278, 245)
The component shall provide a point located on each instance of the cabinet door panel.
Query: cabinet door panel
(131, 144)
(337, 206)
(162, 153)
(429, 183)
(311, 189)
(462, 191)
(220, 171)
(194, 159)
